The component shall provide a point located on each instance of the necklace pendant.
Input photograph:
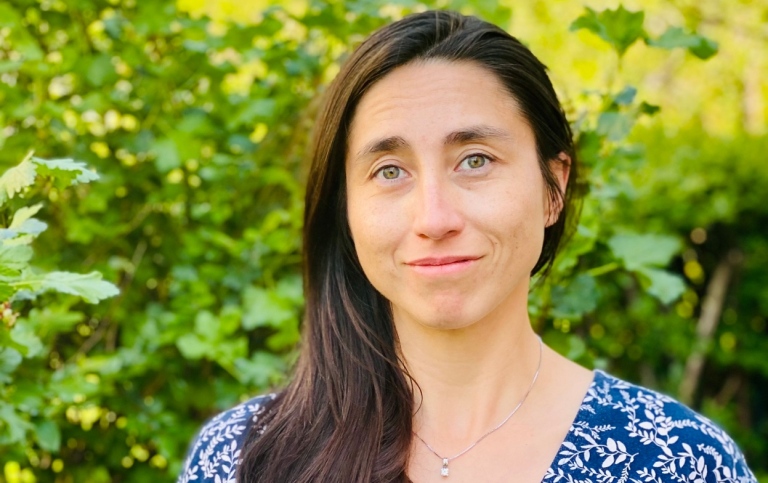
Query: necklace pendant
(444, 469)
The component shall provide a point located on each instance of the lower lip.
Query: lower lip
(445, 269)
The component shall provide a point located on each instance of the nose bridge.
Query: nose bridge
(436, 212)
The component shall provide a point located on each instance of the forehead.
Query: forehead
(433, 97)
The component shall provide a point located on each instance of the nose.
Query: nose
(437, 210)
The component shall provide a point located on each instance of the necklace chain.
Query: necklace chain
(446, 460)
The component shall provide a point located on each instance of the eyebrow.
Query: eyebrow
(386, 145)
(475, 133)
(470, 134)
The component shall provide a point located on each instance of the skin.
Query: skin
(447, 208)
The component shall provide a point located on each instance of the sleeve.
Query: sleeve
(708, 453)
(214, 454)
(730, 465)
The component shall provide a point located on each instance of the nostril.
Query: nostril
(437, 210)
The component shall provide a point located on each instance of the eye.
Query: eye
(475, 161)
(388, 172)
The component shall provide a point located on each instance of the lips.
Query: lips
(440, 261)
(442, 266)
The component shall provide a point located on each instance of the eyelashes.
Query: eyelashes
(471, 162)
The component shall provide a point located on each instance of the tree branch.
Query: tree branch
(711, 308)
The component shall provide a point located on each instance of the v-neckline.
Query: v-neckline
(597, 376)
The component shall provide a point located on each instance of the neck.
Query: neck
(469, 379)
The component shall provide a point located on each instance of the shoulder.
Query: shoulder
(638, 434)
(214, 454)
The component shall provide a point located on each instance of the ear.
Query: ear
(560, 167)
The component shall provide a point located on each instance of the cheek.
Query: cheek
(375, 232)
(516, 220)
(517, 207)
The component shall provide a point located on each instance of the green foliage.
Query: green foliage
(23, 415)
(675, 37)
(621, 28)
(643, 254)
(198, 128)
(18, 279)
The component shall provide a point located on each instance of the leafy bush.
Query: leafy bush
(33, 396)
(196, 116)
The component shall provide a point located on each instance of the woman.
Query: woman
(440, 183)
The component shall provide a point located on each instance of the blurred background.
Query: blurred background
(195, 114)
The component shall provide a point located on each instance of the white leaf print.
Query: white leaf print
(615, 420)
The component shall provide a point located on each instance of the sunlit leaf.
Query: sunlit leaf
(32, 226)
(206, 325)
(15, 179)
(100, 71)
(665, 286)
(264, 308)
(626, 96)
(65, 171)
(24, 223)
(11, 424)
(10, 359)
(192, 347)
(619, 27)
(23, 214)
(15, 257)
(28, 342)
(675, 37)
(90, 287)
(166, 155)
(642, 250)
(261, 369)
(48, 435)
(576, 298)
(615, 125)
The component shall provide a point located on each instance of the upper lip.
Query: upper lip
(435, 261)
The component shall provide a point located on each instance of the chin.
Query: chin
(447, 324)
(445, 317)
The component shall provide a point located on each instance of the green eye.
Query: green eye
(390, 172)
(475, 161)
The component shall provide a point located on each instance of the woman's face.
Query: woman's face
(446, 201)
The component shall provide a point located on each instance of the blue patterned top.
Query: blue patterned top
(622, 433)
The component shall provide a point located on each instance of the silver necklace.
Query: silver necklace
(444, 470)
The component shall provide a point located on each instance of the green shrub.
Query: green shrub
(198, 128)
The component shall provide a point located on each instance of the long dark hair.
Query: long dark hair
(346, 414)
